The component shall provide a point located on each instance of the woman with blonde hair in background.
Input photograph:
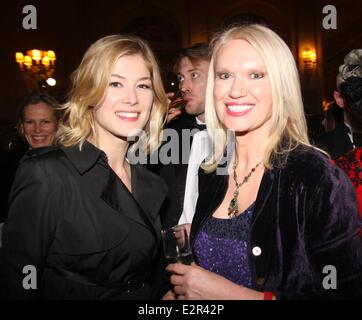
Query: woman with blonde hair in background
(85, 218)
(38, 119)
(284, 213)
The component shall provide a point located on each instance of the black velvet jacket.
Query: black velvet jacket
(305, 218)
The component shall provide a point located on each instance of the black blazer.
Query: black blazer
(305, 217)
(336, 142)
(9, 162)
(174, 174)
(74, 220)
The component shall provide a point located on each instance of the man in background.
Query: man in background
(341, 140)
(191, 67)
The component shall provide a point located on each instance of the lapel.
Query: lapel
(180, 172)
(344, 139)
(212, 190)
(215, 186)
(148, 191)
(264, 232)
(265, 218)
(264, 193)
(85, 158)
(143, 204)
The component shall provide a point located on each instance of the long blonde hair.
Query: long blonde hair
(89, 84)
(289, 128)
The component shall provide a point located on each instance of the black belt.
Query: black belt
(130, 285)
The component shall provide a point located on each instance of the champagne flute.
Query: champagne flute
(176, 245)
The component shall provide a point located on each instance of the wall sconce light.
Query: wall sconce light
(309, 59)
(38, 67)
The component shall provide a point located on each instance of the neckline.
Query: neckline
(248, 210)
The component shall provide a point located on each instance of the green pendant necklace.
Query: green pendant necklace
(233, 209)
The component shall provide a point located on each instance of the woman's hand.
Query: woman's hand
(195, 283)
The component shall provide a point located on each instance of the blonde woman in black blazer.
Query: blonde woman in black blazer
(82, 217)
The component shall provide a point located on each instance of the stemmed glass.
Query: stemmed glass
(176, 245)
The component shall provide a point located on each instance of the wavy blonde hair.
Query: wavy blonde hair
(289, 128)
(89, 85)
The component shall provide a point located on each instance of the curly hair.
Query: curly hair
(352, 67)
(351, 91)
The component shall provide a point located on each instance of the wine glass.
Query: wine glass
(177, 101)
(176, 245)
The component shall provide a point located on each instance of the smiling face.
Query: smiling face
(192, 83)
(242, 90)
(128, 100)
(39, 125)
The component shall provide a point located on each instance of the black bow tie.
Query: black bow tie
(200, 126)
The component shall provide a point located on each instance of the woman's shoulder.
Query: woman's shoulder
(43, 155)
(308, 156)
(41, 170)
(310, 164)
(51, 161)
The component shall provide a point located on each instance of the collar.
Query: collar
(36, 152)
(85, 157)
(144, 203)
(199, 122)
(348, 129)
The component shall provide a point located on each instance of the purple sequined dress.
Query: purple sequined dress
(221, 246)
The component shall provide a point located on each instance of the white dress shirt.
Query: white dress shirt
(200, 150)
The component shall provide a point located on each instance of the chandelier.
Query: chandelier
(37, 67)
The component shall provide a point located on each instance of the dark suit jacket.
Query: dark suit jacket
(305, 218)
(174, 174)
(74, 220)
(9, 162)
(336, 142)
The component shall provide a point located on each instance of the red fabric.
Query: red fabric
(351, 163)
